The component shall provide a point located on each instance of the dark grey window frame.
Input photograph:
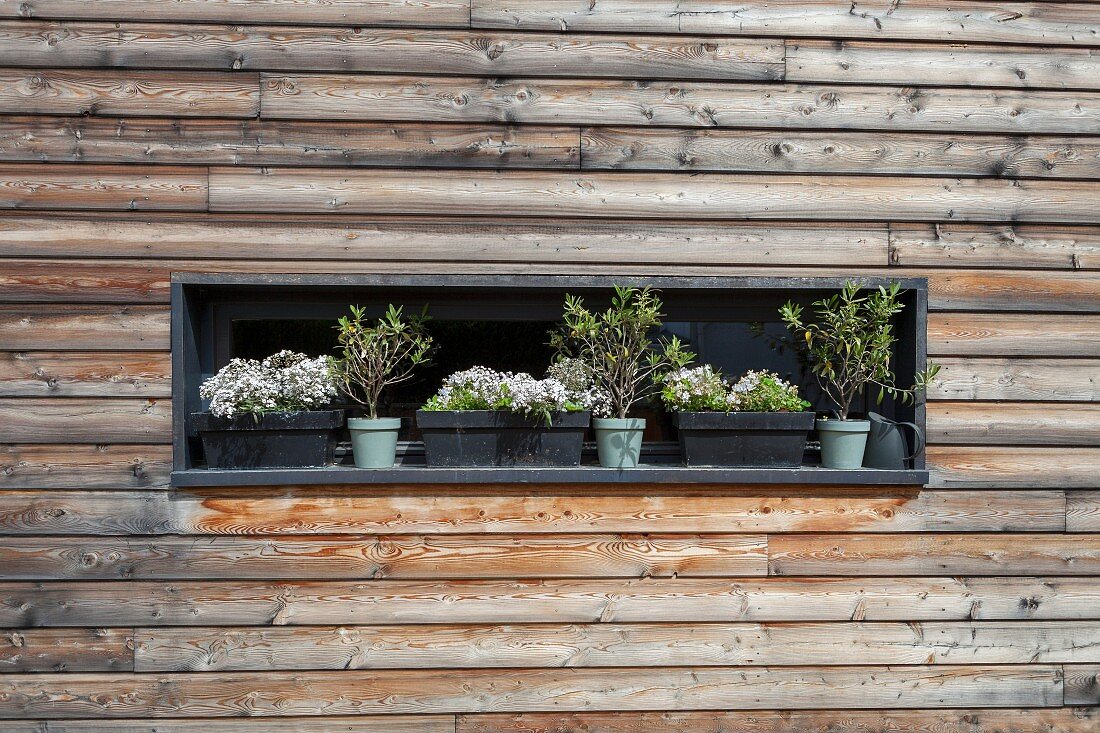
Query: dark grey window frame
(203, 304)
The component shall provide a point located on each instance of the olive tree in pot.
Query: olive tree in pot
(624, 360)
(376, 355)
(848, 348)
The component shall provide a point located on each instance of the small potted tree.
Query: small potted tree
(617, 345)
(482, 417)
(757, 421)
(267, 414)
(849, 347)
(376, 355)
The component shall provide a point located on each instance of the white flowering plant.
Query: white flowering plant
(704, 389)
(283, 382)
(481, 388)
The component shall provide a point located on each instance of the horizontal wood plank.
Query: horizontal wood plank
(423, 691)
(178, 141)
(1008, 423)
(684, 600)
(326, 724)
(375, 50)
(68, 186)
(128, 92)
(66, 650)
(391, 556)
(929, 64)
(986, 21)
(612, 645)
(676, 104)
(653, 195)
(409, 239)
(1010, 334)
(934, 554)
(85, 420)
(81, 327)
(1082, 684)
(877, 153)
(975, 720)
(454, 13)
(85, 374)
(1083, 511)
(1023, 247)
(309, 512)
(88, 466)
(1014, 467)
(1041, 380)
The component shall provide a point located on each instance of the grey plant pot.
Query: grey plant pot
(843, 442)
(374, 442)
(273, 440)
(618, 441)
(753, 439)
(501, 438)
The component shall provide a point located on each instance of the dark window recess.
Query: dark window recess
(504, 322)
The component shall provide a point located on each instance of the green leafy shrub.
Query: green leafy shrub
(704, 389)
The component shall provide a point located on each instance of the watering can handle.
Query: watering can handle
(918, 440)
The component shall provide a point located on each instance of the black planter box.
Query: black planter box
(271, 440)
(501, 438)
(747, 439)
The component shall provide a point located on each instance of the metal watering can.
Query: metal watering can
(887, 446)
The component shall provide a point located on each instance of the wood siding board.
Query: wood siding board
(100, 466)
(1033, 23)
(1008, 423)
(327, 724)
(376, 50)
(933, 554)
(125, 92)
(410, 239)
(1082, 684)
(83, 327)
(84, 374)
(1013, 335)
(1038, 380)
(1083, 511)
(390, 556)
(1017, 467)
(85, 420)
(308, 512)
(66, 650)
(210, 602)
(612, 645)
(68, 186)
(422, 691)
(1007, 247)
(676, 104)
(453, 13)
(877, 153)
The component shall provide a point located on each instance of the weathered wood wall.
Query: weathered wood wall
(952, 140)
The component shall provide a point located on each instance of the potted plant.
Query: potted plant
(849, 348)
(757, 421)
(617, 346)
(267, 414)
(482, 417)
(374, 356)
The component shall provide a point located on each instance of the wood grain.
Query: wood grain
(327, 724)
(109, 187)
(612, 645)
(687, 104)
(975, 720)
(85, 374)
(1014, 467)
(344, 12)
(88, 466)
(85, 420)
(934, 554)
(931, 64)
(1083, 511)
(391, 556)
(961, 245)
(1041, 380)
(877, 153)
(1011, 334)
(348, 511)
(654, 195)
(66, 650)
(423, 691)
(987, 21)
(1082, 685)
(84, 327)
(375, 50)
(179, 141)
(125, 92)
(172, 236)
(1008, 423)
(210, 602)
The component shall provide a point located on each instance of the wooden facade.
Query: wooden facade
(957, 141)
